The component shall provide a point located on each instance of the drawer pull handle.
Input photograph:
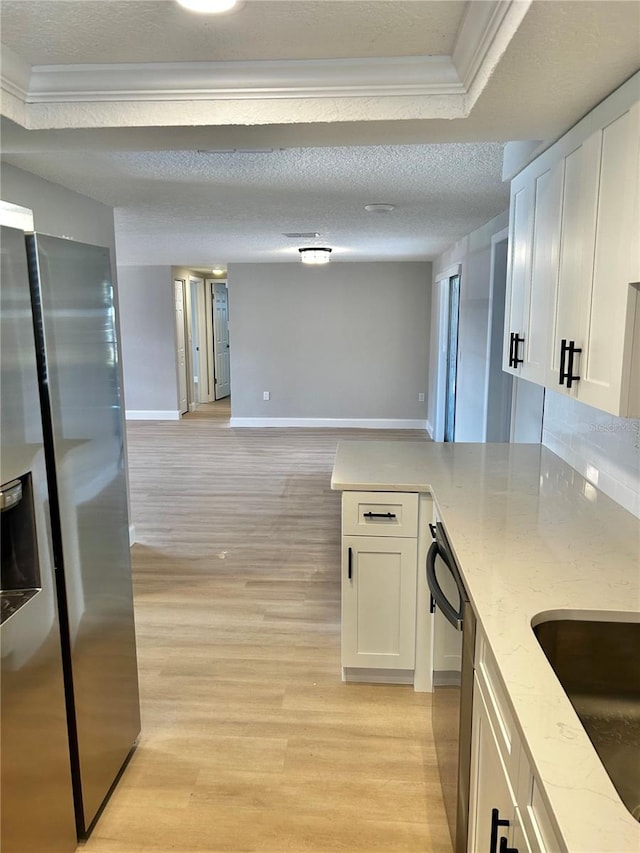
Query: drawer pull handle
(349, 564)
(379, 515)
(496, 823)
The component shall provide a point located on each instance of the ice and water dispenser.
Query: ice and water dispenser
(18, 543)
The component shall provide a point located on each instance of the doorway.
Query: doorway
(181, 348)
(452, 357)
(198, 344)
(499, 383)
(220, 326)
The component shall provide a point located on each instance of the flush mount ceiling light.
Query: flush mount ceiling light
(315, 255)
(209, 7)
(379, 208)
(218, 270)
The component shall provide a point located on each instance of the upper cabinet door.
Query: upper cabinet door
(548, 193)
(608, 333)
(518, 271)
(578, 228)
(534, 244)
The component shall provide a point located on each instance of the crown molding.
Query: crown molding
(188, 81)
(353, 89)
(15, 74)
(480, 25)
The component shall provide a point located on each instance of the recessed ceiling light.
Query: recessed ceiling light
(315, 255)
(209, 7)
(379, 208)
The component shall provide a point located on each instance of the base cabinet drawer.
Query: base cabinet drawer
(379, 577)
(379, 514)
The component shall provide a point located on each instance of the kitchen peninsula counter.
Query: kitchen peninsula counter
(532, 537)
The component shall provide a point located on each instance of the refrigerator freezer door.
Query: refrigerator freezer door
(74, 293)
(35, 778)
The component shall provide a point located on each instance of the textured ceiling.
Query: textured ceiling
(199, 209)
(175, 206)
(52, 32)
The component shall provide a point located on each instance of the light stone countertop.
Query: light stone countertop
(531, 536)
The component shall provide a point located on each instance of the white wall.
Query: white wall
(148, 342)
(473, 254)
(345, 343)
(603, 448)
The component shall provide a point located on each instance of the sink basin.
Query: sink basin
(598, 666)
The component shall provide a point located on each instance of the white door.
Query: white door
(181, 355)
(220, 298)
(198, 331)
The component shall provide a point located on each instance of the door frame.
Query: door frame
(180, 375)
(442, 280)
(197, 313)
(495, 338)
(211, 351)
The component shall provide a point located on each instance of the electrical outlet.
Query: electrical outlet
(421, 397)
(266, 395)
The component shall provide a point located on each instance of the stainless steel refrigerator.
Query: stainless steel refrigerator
(80, 400)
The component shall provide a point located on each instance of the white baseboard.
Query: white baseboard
(152, 415)
(377, 676)
(429, 429)
(132, 535)
(332, 423)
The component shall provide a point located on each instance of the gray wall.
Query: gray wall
(60, 211)
(148, 339)
(346, 341)
(64, 213)
(473, 253)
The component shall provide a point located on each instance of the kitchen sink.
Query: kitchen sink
(598, 666)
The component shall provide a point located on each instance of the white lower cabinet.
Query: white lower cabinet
(506, 810)
(493, 803)
(379, 602)
(379, 585)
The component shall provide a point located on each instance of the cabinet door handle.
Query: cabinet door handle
(379, 515)
(563, 359)
(496, 823)
(573, 349)
(349, 563)
(517, 340)
(504, 848)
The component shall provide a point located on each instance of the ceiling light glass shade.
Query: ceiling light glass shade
(379, 208)
(208, 7)
(315, 255)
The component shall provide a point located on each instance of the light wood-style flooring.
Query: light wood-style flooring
(250, 741)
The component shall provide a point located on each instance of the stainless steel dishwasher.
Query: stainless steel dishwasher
(453, 652)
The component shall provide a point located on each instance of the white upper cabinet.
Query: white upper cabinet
(536, 206)
(572, 320)
(610, 329)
